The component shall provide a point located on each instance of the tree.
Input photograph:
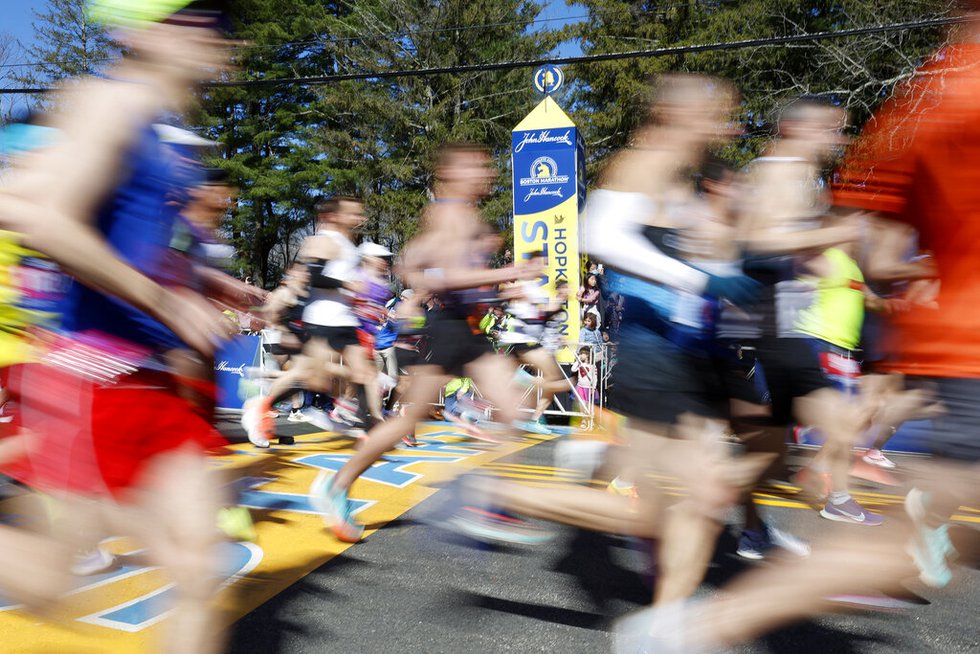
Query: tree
(382, 135)
(8, 53)
(290, 145)
(854, 72)
(67, 44)
(266, 131)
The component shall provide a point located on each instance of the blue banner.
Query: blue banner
(230, 364)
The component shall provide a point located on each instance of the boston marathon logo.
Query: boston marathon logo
(544, 137)
(544, 172)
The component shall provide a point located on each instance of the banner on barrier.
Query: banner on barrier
(231, 364)
(548, 163)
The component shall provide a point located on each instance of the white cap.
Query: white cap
(369, 249)
(178, 136)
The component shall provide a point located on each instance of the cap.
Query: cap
(407, 294)
(178, 136)
(138, 13)
(369, 249)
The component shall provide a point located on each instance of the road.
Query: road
(414, 587)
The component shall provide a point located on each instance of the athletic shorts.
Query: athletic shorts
(98, 439)
(407, 359)
(735, 375)
(955, 434)
(657, 381)
(791, 369)
(338, 338)
(453, 345)
(523, 348)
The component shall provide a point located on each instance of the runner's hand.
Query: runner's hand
(194, 320)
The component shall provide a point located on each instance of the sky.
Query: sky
(16, 17)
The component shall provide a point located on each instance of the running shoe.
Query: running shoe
(258, 422)
(497, 527)
(386, 383)
(335, 509)
(318, 418)
(664, 629)
(851, 512)
(877, 458)
(235, 522)
(92, 562)
(532, 426)
(930, 546)
(755, 545)
(861, 469)
(410, 440)
(296, 416)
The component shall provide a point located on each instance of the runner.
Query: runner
(780, 228)
(127, 456)
(637, 219)
(903, 167)
(445, 258)
(534, 340)
(329, 323)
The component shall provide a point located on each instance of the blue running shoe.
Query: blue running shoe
(532, 426)
(490, 526)
(929, 546)
(335, 508)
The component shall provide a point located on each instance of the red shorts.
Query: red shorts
(95, 439)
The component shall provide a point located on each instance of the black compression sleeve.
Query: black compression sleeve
(318, 279)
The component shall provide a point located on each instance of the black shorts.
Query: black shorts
(735, 375)
(453, 344)
(407, 358)
(523, 348)
(338, 338)
(955, 434)
(276, 349)
(657, 381)
(791, 369)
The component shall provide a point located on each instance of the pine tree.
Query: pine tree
(67, 44)
(856, 72)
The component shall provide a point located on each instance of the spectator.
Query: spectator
(613, 316)
(590, 335)
(585, 367)
(588, 297)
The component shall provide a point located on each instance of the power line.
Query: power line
(394, 36)
(584, 59)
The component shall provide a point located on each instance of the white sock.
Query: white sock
(839, 497)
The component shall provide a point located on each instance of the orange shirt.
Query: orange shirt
(918, 161)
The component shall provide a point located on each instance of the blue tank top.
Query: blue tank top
(685, 319)
(138, 222)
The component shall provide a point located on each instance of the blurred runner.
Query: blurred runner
(124, 453)
(446, 258)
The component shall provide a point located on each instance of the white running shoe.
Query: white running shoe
(254, 415)
(92, 562)
(877, 458)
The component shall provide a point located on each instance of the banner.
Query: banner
(548, 163)
(230, 364)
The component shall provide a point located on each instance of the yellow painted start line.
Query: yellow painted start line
(120, 611)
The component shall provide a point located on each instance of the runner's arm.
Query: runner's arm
(618, 240)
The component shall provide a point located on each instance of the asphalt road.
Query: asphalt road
(415, 587)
